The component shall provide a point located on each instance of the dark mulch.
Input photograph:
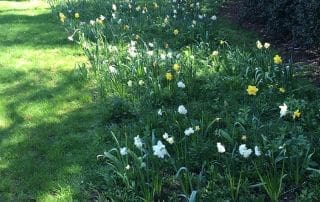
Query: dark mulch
(305, 57)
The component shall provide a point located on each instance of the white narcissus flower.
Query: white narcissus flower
(113, 70)
(257, 151)
(138, 142)
(130, 83)
(221, 148)
(188, 131)
(124, 151)
(244, 151)
(259, 44)
(127, 167)
(283, 110)
(181, 84)
(165, 136)
(159, 112)
(182, 110)
(170, 140)
(141, 82)
(213, 18)
(114, 7)
(266, 45)
(159, 149)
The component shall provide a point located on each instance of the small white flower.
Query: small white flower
(182, 110)
(221, 148)
(163, 56)
(181, 84)
(128, 167)
(141, 82)
(188, 131)
(257, 151)
(266, 45)
(165, 136)
(92, 22)
(150, 53)
(215, 53)
(138, 142)
(159, 149)
(130, 83)
(244, 151)
(114, 16)
(200, 17)
(213, 18)
(114, 7)
(124, 151)
(102, 17)
(143, 165)
(70, 38)
(259, 44)
(151, 45)
(113, 70)
(170, 140)
(283, 110)
(159, 112)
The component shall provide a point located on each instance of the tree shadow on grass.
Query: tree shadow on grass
(37, 30)
(52, 139)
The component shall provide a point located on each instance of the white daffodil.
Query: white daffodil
(165, 136)
(159, 149)
(138, 142)
(257, 151)
(244, 151)
(124, 151)
(221, 148)
(180, 84)
(283, 110)
(182, 110)
(188, 131)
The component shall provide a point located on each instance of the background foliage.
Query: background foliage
(297, 20)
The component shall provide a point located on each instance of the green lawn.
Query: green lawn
(47, 144)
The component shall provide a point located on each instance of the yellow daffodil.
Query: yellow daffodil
(176, 32)
(252, 90)
(169, 76)
(126, 27)
(282, 90)
(296, 114)
(62, 17)
(176, 67)
(77, 15)
(277, 59)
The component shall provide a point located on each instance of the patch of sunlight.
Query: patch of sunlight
(4, 122)
(23, 5)
(73, 169)
(35, 110)
(59, 194)
(14, 139)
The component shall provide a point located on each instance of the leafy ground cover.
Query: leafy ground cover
(186, 106)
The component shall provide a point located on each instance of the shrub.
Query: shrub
(297, 20)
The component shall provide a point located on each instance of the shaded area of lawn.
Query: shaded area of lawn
(49, 129)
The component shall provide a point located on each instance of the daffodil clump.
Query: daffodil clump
(192, 116)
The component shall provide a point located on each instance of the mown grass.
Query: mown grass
(47, 141)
